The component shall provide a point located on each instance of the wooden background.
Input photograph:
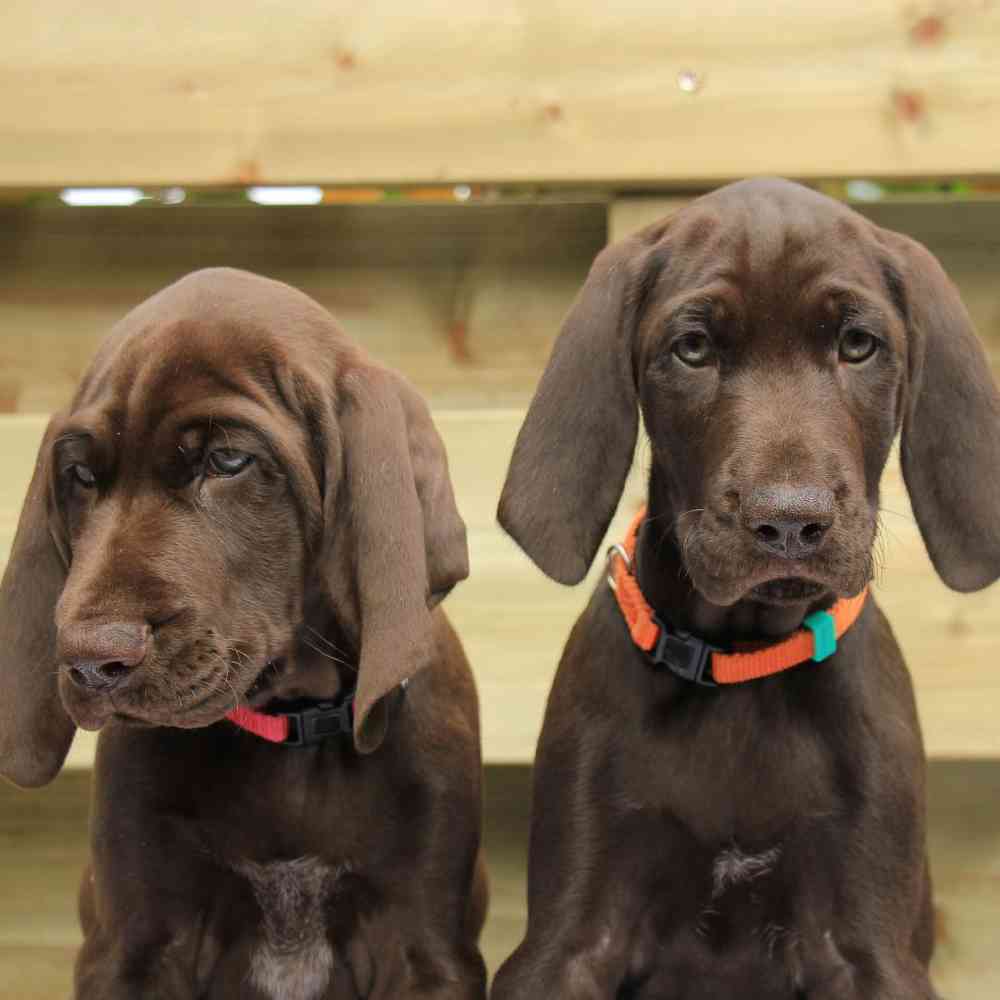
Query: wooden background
(502, 90)
(542, 97)
(466, 300)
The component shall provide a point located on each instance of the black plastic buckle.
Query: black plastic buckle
(319, 722)
(684, 655)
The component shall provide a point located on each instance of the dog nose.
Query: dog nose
(789, 521)
(101, 656)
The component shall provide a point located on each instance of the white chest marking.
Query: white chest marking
(292, 959)
(733, 867)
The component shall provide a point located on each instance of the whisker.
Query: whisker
(324, 653)
(323, 639)
(897, 513)
(683, 513)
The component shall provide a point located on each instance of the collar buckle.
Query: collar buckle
(684, 655)
(319, 722)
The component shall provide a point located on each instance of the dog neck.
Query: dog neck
(321, 664)
(667, 587)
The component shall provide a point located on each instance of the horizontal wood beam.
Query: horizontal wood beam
(514, 622)
(495, 90)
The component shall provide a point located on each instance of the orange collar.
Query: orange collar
(696, 660)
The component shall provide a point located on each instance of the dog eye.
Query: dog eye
(694, 349)
(857, 346)
(227, 462)
(83, 475)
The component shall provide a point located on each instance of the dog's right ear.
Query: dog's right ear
(574, 450)
(951, 427)
(35, 731)
(397, 541)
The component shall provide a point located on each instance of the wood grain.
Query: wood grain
(235, 93)
(514, 621)
(400, 281)
(43, 849)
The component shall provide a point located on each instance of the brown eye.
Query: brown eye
(83, 475)
(227, 462)
(694, 349)
(857, 346)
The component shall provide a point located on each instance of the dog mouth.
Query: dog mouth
(787, 590)
(149, 703)
(726, 571)
(259, 692)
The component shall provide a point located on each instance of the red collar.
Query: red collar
(696, 660)
(298, 728)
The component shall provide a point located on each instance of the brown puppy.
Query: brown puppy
(239, 505)
(762, 840)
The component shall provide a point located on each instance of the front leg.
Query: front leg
(591, 880)
(128, 959)
(146, 908)
(104, 973)
(577, 966)
(585, 937)
(424, 941)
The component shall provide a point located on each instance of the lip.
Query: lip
(203, 712)
(787, 590)
(93, 711)
(88, 712)
(259, 691)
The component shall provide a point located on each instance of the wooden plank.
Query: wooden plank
(230, 93)
(44, 847)
(963, 827)
(463, 340)
(466, 300)
(514, 621)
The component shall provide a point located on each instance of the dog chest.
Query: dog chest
(292, 958)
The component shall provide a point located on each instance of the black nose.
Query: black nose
(101, 656)
(789, 521)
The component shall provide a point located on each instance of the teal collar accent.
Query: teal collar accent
(824, 630)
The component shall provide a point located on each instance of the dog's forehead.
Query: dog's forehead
(769, 236)
(213, 333)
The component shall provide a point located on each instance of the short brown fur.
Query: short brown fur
(224, 866)
(765, 840)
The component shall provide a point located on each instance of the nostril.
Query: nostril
(767, 533)
(813, 533)
(789, 521)
(99, 676)
(113, 671)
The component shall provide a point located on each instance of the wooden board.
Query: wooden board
(230, 93)
(403, 281)
(514, 621)
(43, 849)
(466, 300)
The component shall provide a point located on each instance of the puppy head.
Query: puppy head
(229, 455)
(775, 341)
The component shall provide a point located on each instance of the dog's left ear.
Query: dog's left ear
(951, 427)
(404, 539)
(35, 731)
(574, 449)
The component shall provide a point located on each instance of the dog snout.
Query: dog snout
(101, 656)
(789, 521)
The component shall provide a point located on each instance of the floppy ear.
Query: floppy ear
(35, 731)
(444, 530)
(951, 428)
(574, 450)
(407, 541)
